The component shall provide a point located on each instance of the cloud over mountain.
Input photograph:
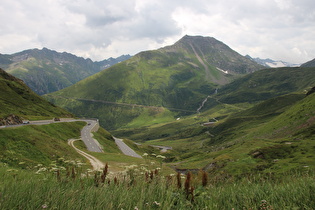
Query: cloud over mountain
(279, 29)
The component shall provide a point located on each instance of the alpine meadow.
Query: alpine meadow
(193, 125)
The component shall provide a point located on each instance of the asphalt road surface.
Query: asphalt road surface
(86, 136)
(126, 150)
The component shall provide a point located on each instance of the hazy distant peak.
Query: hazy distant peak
(309, 63)
(272, 63)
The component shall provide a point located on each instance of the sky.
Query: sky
(99, 29)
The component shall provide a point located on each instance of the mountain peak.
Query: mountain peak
(210, 51)
(197, 39)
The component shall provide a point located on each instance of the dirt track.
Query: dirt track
(96, 163)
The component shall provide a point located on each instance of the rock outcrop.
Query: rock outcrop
(11, 120)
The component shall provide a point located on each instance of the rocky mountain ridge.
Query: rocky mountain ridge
(46, 70)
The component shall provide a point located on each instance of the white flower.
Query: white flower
(156, 203)
(145, 154)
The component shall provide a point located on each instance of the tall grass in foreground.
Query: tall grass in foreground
(132, 190)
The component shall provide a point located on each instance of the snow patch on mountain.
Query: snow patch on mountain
(226, 72)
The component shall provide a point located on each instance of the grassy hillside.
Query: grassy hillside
(276, 139)
(175, 77)
(18, 99)
(28, 146)
(275, 136)
(237, 97)
(266, 84)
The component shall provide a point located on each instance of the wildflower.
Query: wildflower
(264, 205)
(204, 178)
(156, 203)
(179, 182)
(53, 165)
(12, 170)
(41, 170)
(161, 156)
(136, 208)
(44, 206)
(145, 154)
(104, 174)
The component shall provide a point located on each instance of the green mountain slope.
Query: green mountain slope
(270, 144)
(18, 99)
(268, 83)
(175, 77)
(253, 133)
(275, 136)
(27, 146)
(46, 71)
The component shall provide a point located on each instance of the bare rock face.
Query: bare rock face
(11, 120)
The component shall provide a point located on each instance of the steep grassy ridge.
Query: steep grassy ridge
(178, 76)
(18, 99)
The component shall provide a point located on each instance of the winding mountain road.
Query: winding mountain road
(86, 136)
(86, 133)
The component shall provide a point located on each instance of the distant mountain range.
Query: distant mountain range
(272, 63)
(46, 71)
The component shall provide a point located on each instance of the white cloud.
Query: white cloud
(279, 29)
